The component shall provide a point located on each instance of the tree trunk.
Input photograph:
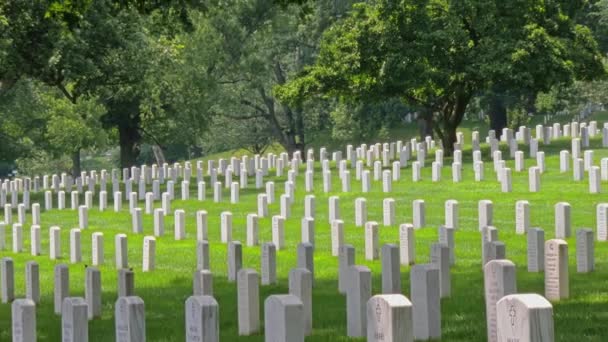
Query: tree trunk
(425, 123)
(498, 114)
(158, 155)
(76, 164)
(452, 117)
(129, 145)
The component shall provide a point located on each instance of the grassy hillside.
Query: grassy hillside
(581, 318)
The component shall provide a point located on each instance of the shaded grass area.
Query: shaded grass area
(583, 317)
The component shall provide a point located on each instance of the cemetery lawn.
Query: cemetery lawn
(583, 317)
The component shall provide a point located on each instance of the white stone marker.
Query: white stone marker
(578, 170)
(388, 206)
(269, 263)
(32, 281)
(594, 180)
(300, 285)
(602, 221)
(202, 191)
(485, 213)
(117, 201)
(345, 260)
(308, 230)
(235, 259)
(416, 176)
(137, 220)
(524, 318)
(202, 283)
(54, 243)
(75, 247)
(391, 276)
(407, 244)
(23, 325)
(418, 208)
(360, 211)
(121, 251)
(479, 171)
(366, 181)
(309, 206)
(159, 222)
(522, 217)
(536, 250)
(556, 270)
(451, 213)
(425, 296)
(17, 238)
(562, 220)
(35, 240)
(226, 226)
(74, 320)
(283, 319)
(179, 228)
(202, 255)
(499, 281)
(130, 321)
(371, 240)
(585, 256)
(278, 231)
(358, 292)
(7, 280)
(389, 319)
(61, 286)
(446, 237)
(149, 254)
(337, 236)
(440, 258)
(92, 292)
(248, 298)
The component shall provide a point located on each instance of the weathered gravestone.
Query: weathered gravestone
(92, 292)
(440, 258)
(522, 216)
(585, 258)
(536, 250)
(125, 283)
(7, 279)
(524, 318)
(62, 286)
(74, 321)
(235, 259)
(562, 220)
(269, 263)
(391, 275)
(425, 296)
(32, 281)
(23, 313)
(129, 318)
(499, 281)
(389, 319)
(556, 270)
(283, 319)
(407, 244)
(248, 298)
(202, 283)
(346, 259)
(358, 292)
(300, 285)
(371, 240)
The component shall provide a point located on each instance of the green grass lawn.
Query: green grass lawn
(583, 317)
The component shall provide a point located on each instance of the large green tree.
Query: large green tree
(438, 54)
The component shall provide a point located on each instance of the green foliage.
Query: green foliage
(438, 54)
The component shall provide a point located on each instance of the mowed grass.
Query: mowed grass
(583, 317)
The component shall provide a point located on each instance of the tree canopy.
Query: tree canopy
(438, 54)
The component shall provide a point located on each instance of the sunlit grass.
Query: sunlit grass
(583, 317)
